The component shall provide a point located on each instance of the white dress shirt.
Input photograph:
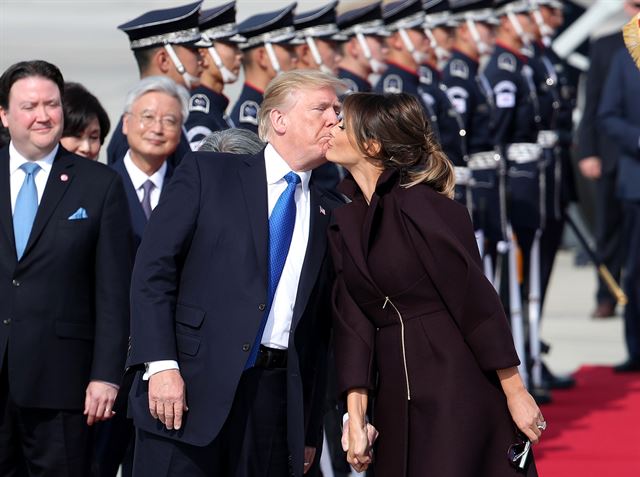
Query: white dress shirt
(138, 178)
(17, 175)
(278, 327)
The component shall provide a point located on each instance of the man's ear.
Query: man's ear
(303, 54)
(261, 57)
(125, 123)
(162, 61)
(3, 117)
(279, 121)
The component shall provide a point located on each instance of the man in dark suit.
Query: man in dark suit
(65, 265)
(619, 117)
(155, 110)
(598, 160)
(230, 297)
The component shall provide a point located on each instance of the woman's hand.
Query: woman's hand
(526, 414)
(359, 453)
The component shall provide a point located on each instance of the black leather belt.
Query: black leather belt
(269, 358)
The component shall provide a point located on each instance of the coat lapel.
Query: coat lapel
(138, 219)
(60, 178)
(6, 217)
(316, 247)
(254, 187)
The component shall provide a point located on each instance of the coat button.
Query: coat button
(6, 321)
(15, 283)
(262, 306)
(246, 347)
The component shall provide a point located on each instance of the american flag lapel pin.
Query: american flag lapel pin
(322, 211)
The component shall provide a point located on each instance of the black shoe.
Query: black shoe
(554, 381)
(629, 366)
(541, 395)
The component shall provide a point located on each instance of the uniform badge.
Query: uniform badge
(426, 75)
(505, 92)
(458, 97)
(199, 102)
(392, 84)
(427, 98)
(459, 69)
(249, 112)
(352, 87)
(507, 62)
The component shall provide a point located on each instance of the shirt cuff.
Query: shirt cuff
(157, 366)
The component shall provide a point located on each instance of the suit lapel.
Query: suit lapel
(254, 187)
(60, 178)
(138, 219)
(6, 217)
(316, 247)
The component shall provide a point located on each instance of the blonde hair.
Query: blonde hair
(280, 90)
(397, 125)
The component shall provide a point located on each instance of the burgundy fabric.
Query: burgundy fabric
(417, 248)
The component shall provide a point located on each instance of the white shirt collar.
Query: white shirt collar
(138, 177)
(277, 168)
(16, 159)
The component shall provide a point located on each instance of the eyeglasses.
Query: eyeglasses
(518, 453)
(169, 123)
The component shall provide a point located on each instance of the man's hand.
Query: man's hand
(98, 401)
(358, 445)
(309, 455)
(591, 167)
(167, 400)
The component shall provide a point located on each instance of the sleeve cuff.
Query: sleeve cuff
(157, 366)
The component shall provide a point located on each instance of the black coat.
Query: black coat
(418, 324)
(65, 311)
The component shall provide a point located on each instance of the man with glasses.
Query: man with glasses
(163, 44)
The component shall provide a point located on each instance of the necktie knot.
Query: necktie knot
(30, 168)
(292, 178)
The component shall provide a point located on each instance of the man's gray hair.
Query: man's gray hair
(283, 86)
(234, 141)
(160, 84)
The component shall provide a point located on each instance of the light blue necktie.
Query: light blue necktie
(281, 223)
(26, 207)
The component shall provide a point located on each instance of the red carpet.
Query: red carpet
(594, 429)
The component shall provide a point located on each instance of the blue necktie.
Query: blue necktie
(281, 223)
(26, 207)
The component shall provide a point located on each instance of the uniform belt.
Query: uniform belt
(547, 139)
(270, 358)
(483, 160)
(463, 175)
(523, 152)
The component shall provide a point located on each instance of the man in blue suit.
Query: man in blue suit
(619, 115)
(230, 301)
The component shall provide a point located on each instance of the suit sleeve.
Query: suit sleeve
(113, 262)
(445, 244)
(156, 274)
(587, 133)
(612, 112)
(354, 334)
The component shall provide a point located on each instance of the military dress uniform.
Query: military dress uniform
(355, 83)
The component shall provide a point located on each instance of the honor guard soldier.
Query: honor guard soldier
(319, 37)
(364, 51)
(267, 51)
(439, 27)
(221, 64)
(163, 43)
(472, 97)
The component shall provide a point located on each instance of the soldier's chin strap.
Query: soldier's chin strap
(546, 32)
(189, 80)
(227, 75)
(377, 66)
(313, 48)
(442, 55)
(483, 48)
(526, 39)
(271, 53)
(418, 56)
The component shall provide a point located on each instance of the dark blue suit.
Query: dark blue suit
(619, 115)
(198, 294)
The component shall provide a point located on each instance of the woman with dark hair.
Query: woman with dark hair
(416, 321)
(86, 123)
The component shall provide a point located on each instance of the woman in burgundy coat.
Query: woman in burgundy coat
(416, 322)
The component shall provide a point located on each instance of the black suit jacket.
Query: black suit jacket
(591, 139)
(64, 304)
(199, 289)
(136, 213)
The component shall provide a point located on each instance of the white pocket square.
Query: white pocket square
(79, 214)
